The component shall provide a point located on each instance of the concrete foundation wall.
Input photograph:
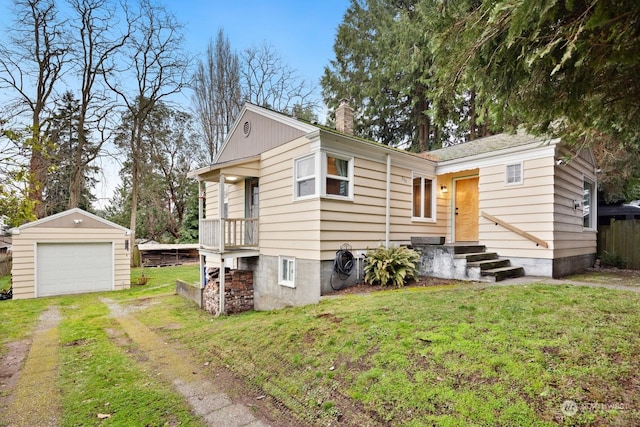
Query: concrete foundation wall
(534, 266)
(269, 295)
(569, 265)
(330, 280)
(439, 261)
(189, 291)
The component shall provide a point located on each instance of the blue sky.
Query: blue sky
(302, 31)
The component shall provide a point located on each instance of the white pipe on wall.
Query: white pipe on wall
(387, 223)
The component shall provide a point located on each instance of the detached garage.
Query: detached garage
(69, 253)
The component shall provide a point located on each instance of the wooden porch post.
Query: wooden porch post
(221, 277)
(201, 195)
(221, 212)
(221, 274)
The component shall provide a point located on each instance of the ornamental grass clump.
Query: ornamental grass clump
(390, 266)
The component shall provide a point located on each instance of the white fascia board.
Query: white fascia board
(216, 166)
(279, 117)
(510, 155)
(72, 212)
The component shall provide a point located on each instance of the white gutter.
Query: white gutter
(387, 221)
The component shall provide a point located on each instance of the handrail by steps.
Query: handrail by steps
(497, 221)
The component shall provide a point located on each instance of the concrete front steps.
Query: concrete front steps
(488, 265)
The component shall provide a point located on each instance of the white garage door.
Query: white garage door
(72, 268)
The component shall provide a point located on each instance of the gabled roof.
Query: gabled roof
(244, 140)
(77, 212)
(488, 144)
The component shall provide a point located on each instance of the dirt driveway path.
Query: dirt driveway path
(35, 400)
(177, 367)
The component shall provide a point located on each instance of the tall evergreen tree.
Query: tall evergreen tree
(64, 134)
(384, 67)
(568, 69)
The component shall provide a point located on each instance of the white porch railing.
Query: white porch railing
(238, 233)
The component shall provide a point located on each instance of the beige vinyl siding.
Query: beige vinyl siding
(211, 197)
(527, 206)
(361, 223)
(235, 198)
(287, 227)
(571, 238)
(24, 246)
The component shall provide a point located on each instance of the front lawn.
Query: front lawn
(521, 355)
(511, 355)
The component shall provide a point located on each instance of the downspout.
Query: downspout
(387, 220)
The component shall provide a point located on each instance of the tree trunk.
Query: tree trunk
(472, 116)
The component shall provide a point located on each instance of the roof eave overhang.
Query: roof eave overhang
(520, 153)
(207, 172)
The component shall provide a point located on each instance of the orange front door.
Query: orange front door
(466, 210)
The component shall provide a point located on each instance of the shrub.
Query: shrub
(392, 266)
(612, 259)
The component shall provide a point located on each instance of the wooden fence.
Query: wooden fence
(622, 237)
(5, 264)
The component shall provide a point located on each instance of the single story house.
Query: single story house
(283, 195)
(68, 253)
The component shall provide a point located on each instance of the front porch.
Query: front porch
(222, 235)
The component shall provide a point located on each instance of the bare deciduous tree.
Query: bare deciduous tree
(217, 94)
(99, 37)
(159, 68)
(30, 66)
(269, 82)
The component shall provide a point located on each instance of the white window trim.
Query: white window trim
(316, 176)
(593, 213)
(281, 279)
(434, 200)
(348, 178)
(506, 173)
(320, 175)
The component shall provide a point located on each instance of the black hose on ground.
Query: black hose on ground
(342, 266)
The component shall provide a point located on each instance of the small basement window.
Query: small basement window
(287, 271)
(514, 173)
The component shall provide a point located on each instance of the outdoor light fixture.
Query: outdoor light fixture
(232, 178)
(444, 189)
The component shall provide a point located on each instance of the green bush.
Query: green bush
(612, 259)
(392, 266)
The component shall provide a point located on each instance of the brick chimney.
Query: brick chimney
(344, 117)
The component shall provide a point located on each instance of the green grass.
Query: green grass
(5, 282)
(499, 356)
(98, 376)
(17, 318)
(415, 356)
